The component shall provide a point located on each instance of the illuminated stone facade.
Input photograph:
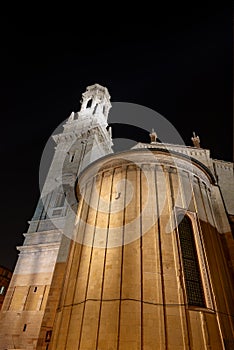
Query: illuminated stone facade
(126, 285)
(151, 260)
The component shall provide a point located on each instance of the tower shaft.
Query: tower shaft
(40, 266)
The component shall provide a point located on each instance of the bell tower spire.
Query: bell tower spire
(96, 99)
(86, 134)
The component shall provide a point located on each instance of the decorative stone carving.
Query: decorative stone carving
(196, 140)
(153, 136)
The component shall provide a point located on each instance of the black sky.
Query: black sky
(177, 63)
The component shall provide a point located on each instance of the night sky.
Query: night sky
(178, 64)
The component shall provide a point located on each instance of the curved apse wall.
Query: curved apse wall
(126, 286)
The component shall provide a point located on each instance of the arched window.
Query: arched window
(89, 103)
(192, 275)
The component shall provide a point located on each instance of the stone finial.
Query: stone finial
(153, 136)
(196, 140)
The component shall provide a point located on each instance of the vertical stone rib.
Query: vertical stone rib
(130, 309)
(229, 289)
(206, 236)
(182, 307)
(122, 255)
(214, 239)
(76, 266)
(104, 263)
(160, 259)
(90, 259)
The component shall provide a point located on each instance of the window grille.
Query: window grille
(193, 282)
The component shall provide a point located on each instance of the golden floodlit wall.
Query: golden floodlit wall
(127, 283)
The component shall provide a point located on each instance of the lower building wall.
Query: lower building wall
(23, 310)
(20, 330)
(51, 308)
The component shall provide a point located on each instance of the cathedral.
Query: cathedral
(126, 251)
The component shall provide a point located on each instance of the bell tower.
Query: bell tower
(38, 274)
(97, 100)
